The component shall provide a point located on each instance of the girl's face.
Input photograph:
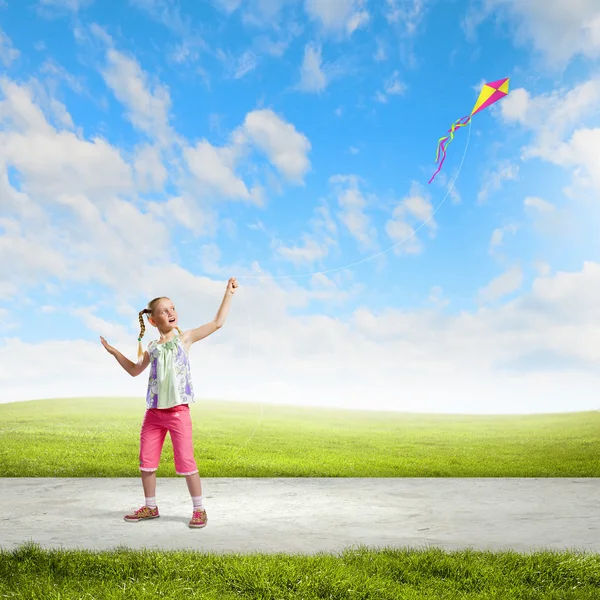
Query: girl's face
(164, 316)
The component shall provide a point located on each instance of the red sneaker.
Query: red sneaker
(141, 514)
(199, 518)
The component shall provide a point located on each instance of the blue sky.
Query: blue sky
(156, 147)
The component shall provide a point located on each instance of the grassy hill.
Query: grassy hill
(98, 437)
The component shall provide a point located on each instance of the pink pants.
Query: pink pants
(177, 421)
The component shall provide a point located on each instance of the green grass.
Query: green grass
(100, 438)
(32, 573)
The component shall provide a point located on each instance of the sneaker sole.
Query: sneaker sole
(137, 520)
(198, 526)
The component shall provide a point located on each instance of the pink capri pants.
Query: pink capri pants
(178, 422)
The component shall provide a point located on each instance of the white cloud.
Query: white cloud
(312, 77)
(392, 87)
(338, 16)
(537, 353)
(147, 105)
(543, 268)
(381, 52)
(67, 5)
(166, 12)
(8, 53)
(200, 219)
(309, 252)
(214, 168)
(559, 31)
(228, 6)
(265, 12)
(492, 180)
(507, 283)
(547, 218)
(316, 244)
(415, 207)
(407, 14)
(150, 172)
(498, 236)
(539, 204)
(552, 118)
(436, 297)
(246, 63)
(72, 225)
(285, 147)
(56, 162)
(352, 204)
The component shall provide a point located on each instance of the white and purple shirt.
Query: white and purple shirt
(170, 382)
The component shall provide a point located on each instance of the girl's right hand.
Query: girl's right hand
(108, 347)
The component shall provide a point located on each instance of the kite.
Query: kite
(490, 93)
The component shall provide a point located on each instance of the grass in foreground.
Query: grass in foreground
(32, 573)
(100, 438)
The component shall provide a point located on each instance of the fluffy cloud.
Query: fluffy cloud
(147, 105)
(70, 222)
(502, 359)
(507, 283)
(392, 87)
(559, 31)
(492, 179)
(56, 162)
(286, 148)
(352, 204)
(406, 14)
(150, 173)
(415, 207)
(8, 53)
(338, 16)
(557, 122)
(214, 168)
(62, 5)
(309, 252)
(316, 245)
(498, 234)
(312, 77)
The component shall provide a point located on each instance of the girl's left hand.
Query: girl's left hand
(232, 285)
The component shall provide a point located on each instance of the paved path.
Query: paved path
(306, 515)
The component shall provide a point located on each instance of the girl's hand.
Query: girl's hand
(232, 285)
(109, 348)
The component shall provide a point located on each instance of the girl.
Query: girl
(170, 392)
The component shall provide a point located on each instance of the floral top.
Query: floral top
(170, 382)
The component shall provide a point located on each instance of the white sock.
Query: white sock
(197, 500)
(151, 502)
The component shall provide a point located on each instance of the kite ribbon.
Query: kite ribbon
(442, 142)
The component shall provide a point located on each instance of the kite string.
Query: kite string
(358, 262)
(259, 421)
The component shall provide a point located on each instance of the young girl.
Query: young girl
(170, 392)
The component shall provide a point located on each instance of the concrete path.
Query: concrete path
(306, 515)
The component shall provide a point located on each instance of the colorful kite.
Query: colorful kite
(490, 93)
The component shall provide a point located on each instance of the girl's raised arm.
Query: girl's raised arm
(195, 335)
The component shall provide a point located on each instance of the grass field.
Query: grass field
(32, 573)
(100, 438)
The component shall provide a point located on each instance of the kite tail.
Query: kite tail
(441, 148)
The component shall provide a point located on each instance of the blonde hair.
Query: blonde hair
(148, 310)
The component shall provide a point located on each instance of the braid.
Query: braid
(142, 330)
